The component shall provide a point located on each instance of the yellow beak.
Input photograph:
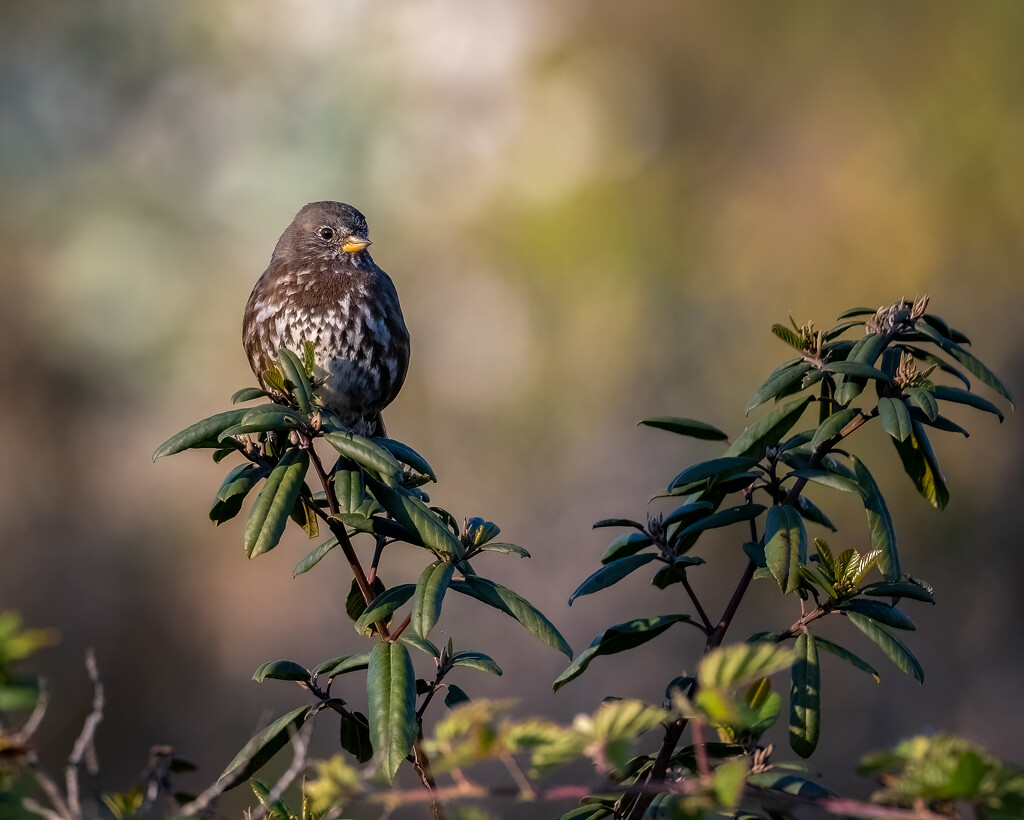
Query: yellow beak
(354, 244)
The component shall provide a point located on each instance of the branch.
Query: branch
(85, 738)
(300, 744)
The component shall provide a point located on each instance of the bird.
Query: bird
(323, 287)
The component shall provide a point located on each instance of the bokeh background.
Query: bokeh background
(593, 212)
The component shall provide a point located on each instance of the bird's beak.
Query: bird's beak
(354, 244)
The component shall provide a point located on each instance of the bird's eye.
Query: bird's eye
(327, 234)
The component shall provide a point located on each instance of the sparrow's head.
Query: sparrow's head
(325, 231)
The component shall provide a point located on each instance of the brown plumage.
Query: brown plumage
(322, 286)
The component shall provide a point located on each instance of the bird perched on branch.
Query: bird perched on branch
(323, 287)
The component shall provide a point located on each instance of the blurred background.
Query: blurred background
(593, 213)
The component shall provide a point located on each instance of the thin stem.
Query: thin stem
(85, 737)
(696, 603)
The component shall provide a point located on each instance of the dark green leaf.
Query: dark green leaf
(893, 648)
(422, 644)
(611, 573)
(895, 418)
(202, 434)
(785, 547)
(391, 684)
(619, 638)
(418, 518)
(880, 526)
(281, 670)
(805, 697)
(355, 736)
(866, 351)
(374, 459)
(938, 423)
(789, 783)
(779, 383)
(922, 466)
(686, 514)
(685, 538)
(407, 455)
(629, 543)
(233, 491)
(263, 746)
(295, 375)
(768, 430)
(848, 656)
(476, 660)
(430, 590)
(455, 697)
(248, 394)
(314, 557)
(384, 605)
(924, 400)
(833, 426)
(856, 369)
(355, 603)
(955, 394)
(899, 589)
(857, 311)
(263, 418)
(883, 613)
(269, 515)
(708, 469)
(968, 360)
(686, 427)
(516, 606)
(618, 522)
(350, 490)
(810, 512)
(674, 572)
(275, 809)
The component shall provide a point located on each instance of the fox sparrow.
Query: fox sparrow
(323, 287)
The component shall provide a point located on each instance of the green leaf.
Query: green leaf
(924, 400)
(281, 670)
(687, 513)
(877, 611)
(716, 467)
(263, 418)
(384, 605)
(805, 697)
(349, 663)
(768, 430)
(783, 781)
(405, 454)
(269, 515)
(968, 360)
(899, 589)
(262, 747)
(350, 490)
(611, 573)
(422, 644)
(742, 664)
(391, 685)
(629, 543)
(685, 427)
(619, 638)
(922, 466)
(848, 656)
(832, 426)
(729, 780)
(827, 478)
(476, 660)
(785, 547)
(894, 649)
(355, 603)
(723, 518)
(618, 522)
(202, 434)
(507, 601)
(858, 311)
(788, 336)
(430, 590)
(504, 548)
(895, 418)
(880, 526)
(419, 519)
(375, 460)
(275, 809)
(779, 383)
(248, 394)
(233, 491)
(866, 351)
(295, 374)
(809, 512)
(314, 557)
(955, 394)
(355, 736)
